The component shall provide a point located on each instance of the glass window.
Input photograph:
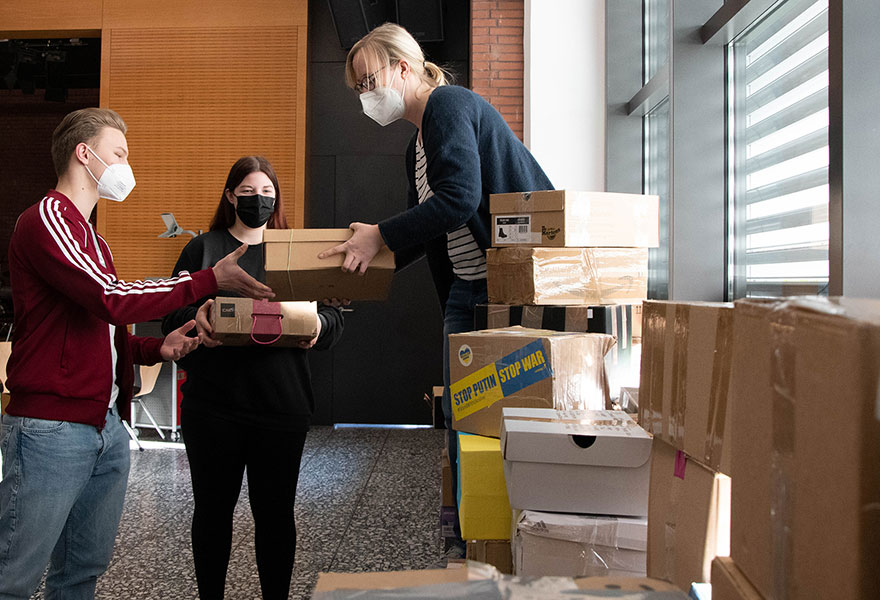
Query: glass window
(778, 167)
(656, 37)
(656, 140)
(656, 181)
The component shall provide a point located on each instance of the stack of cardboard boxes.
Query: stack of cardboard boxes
(564, 265)
(806, 451)
(684, 401)
(580, 480)
(573, 261)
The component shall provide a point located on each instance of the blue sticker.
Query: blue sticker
(523, 367)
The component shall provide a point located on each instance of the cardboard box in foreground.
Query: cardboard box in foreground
(294, 271)
(566, 275)
(806, 466)
(450, 583)
(515, 366)
(276, 323)
(684, 394)
(688, 517)
(729, 583)
(492, 552)
(568, 218)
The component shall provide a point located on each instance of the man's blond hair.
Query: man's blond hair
(82, 125)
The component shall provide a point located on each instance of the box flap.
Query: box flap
(612, 532)
(306, 235)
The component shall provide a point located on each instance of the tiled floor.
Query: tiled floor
(368, 500)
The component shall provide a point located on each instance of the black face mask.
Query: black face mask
(255, 210)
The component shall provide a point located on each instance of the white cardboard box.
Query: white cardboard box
(589, 462)
(563, 545)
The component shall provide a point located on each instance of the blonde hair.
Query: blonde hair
(80, 126)
(390, 43)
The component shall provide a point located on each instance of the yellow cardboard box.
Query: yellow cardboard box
(483, 508)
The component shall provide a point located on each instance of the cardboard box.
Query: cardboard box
(805, 522)
(478, 580)
(276, 323)
(4, 402)
(515, 366)
(729, 583)
(447, 498)
(566, 218)
(567, 275)
(294, 271)
(613, 319)
(595, 462)
(688, 517)
(579, 545)
(491, 552)
(483, 509)
(687, 351)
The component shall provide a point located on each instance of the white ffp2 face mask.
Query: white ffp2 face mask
(116, 182)
(384, 104)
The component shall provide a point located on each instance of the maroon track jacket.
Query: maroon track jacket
(65, 293)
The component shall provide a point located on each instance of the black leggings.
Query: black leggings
(218, 452)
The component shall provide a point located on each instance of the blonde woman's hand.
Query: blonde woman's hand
(363, 245)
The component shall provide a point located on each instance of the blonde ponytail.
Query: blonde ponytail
(389, 44)
(436, 74)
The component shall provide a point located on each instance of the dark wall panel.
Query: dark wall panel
(391, 353)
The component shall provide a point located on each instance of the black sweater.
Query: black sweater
(471, 153)
(253, 385)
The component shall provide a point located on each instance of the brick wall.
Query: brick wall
(497, 57)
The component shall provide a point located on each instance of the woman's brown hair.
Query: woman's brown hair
(224, 217)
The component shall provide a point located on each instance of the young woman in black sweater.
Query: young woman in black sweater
(245, 407)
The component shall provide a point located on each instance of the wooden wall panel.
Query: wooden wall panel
(195, 100)
(138, 14)
(49, 18)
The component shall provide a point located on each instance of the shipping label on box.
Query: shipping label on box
(244, 322)
(806, 378)
(483, 508)
(614, 319)
(294, 271)
(688, 517)
(515, 366)
(687, 350)
(563, 276)
(567, 545)
(567, 218)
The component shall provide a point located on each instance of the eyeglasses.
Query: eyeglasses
(368, 83)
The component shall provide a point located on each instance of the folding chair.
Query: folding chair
(149, 375)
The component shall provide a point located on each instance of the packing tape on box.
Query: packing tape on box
(523, 203)
(289, 249)
(782, 372)
(671, 523)
(593, 531)
(653, 367)
(681, 334)
(721, 368)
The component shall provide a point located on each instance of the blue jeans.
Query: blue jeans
(459, 317)
(61, 501)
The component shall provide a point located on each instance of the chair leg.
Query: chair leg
(132, 435)
(150, 417)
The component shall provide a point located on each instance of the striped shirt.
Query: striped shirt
(468, 260)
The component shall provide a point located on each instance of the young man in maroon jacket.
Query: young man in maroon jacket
(65, 451)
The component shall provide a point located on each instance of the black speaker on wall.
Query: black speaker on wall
(422, 18)
(354, 18)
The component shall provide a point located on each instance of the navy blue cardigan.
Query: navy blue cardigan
(471, 153)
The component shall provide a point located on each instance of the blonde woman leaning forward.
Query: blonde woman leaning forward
(461, 152)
